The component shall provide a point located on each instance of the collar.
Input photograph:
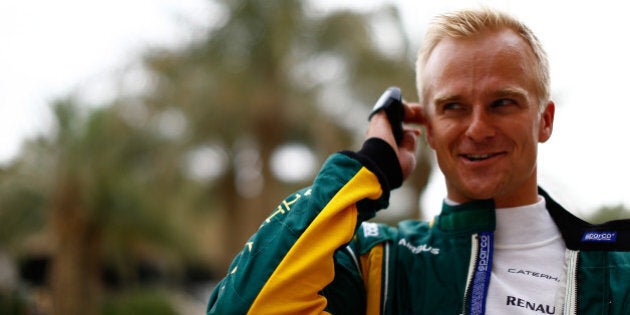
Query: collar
(471, 217)
(581, 235)
(479, 216)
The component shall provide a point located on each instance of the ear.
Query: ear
(545, 127)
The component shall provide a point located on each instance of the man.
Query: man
(500, 245)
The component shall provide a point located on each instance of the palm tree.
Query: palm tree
(113, 186)
(275, 72)
(102, 202)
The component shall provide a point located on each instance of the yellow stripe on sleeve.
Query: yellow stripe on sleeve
(308, 266)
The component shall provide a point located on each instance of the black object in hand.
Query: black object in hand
(391, 102)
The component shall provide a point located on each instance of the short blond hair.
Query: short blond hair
(470, 22)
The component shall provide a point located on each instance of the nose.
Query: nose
(480, 127)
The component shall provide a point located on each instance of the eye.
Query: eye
(504, 105)
(452, 107)
(503, 102)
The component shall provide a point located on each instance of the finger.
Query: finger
(380, 127)
(408, 151)
(410, 136)
(414, 113)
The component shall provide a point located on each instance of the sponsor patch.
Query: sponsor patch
(600, 236)
(424, 248)
(370, 229)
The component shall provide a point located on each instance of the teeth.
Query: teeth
(478, 156)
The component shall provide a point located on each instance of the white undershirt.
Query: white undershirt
(527, 263)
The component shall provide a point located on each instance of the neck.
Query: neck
(525, 193)
(516, 201)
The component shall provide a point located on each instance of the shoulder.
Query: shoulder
(370, 234)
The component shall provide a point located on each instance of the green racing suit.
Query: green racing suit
(317, 253)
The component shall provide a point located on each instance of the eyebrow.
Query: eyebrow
(512, 92)
(447, 99)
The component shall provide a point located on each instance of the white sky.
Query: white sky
(49, 48)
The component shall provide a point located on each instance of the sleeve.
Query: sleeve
(287, 265)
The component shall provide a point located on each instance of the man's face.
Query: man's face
(483, 117)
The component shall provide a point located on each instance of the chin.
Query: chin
(475, 192)
(480, 196)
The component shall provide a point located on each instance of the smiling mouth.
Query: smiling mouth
(479, 157)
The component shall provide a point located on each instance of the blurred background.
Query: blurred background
(142, 142)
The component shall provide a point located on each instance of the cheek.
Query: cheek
(442, 135)
(440, 144)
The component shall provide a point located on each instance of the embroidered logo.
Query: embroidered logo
(600, 236)
(370, 229)
(424, 248)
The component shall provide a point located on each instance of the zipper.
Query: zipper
(474, 249)
(479, 273)
(570, 299)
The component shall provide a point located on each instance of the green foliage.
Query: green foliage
(117, 176)
(138, 302)
(12, 303)
(24, 191)
(273, 72)
(21, 209)
(609, 213)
